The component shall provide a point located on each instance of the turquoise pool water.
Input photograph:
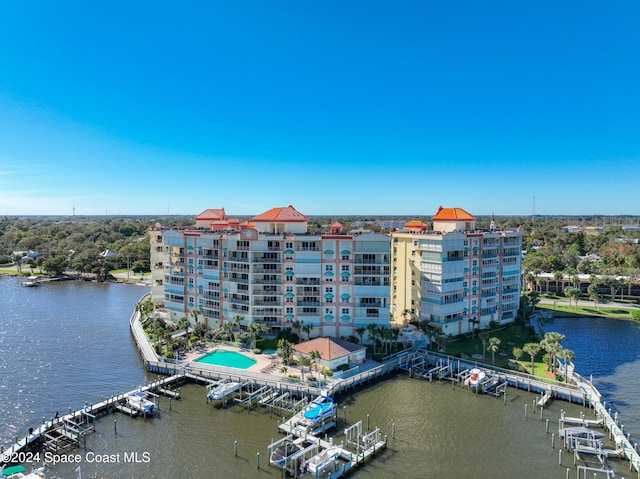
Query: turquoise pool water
(230, 359)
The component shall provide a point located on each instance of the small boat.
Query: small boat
(323, 460)
(283, 453)
(139, 401)
(18, 472)
(221, 391)
(475, 377)
(320, 409)
(31, 281)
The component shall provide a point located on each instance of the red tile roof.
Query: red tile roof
(452, 214)
(416, 225)
(336, 224)
(329, 348)
(281, 215)
(212, 214)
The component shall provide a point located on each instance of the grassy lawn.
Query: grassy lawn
(512, 336)
(569, 311)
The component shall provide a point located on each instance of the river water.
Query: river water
(66, 343)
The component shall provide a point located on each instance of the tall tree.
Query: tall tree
(551, 344)
(494, 346)
(568, 356)
(594, 295)
(373, 332)
(532, 349)
(285, 351)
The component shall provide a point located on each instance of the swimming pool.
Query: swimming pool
(230, 359)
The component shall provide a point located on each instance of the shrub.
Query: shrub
(257, 351)
(635, 314)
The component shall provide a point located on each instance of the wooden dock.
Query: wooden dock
(68, 431)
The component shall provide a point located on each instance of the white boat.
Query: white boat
(320, 409)
(31, 281)
(221, 391)
(139, 401)
(283, 453)
(323, 460)
(18, 472)
(476, 375)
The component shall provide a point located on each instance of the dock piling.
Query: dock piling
(115, 427)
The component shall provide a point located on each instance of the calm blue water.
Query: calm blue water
(62, 344)
(609, 351)
(227, 358)
(65, 343)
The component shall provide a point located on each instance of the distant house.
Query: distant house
(108, 253)
(27, 256)
(333, 351)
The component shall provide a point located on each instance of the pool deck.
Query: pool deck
(264, 362)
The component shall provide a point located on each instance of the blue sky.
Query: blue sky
(357, 107)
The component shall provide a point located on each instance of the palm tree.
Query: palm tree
(540, 281)
(572, 293)
(494, 345)
(532, 349)
(307, 329)
(283, 370)
(484, 337)
(474, 322)
(360, 332)
(237, 321)
(297, 325)
(255, 329)
(184, 323)
(395, 334)
(568, 356)
(303, 361)
(592, 291)
(195, 312)
(557, 277)
(428, 330)
(405, 313)
(315, 356)
(530, 280)
(551, 344)
(373, 332)
(285, 351)
(575, 280)
(441, 339)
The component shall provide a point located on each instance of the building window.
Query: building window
(345, 257)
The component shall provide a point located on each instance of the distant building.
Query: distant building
(456, 277)
(271, 270)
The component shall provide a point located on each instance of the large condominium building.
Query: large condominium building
(271, 270)
(455, 277)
